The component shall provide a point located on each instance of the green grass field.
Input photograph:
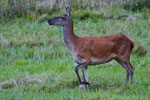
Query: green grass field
(29, 48)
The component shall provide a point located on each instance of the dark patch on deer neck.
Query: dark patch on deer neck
(68, 35)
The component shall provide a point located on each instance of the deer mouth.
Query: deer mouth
(49, 22)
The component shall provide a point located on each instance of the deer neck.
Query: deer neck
(68, 35)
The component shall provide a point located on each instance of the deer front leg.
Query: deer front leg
(76, 70)
(83, 65)
(85, 75)
(84, 71)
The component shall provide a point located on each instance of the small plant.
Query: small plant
(140, 50)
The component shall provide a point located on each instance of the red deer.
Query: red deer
(95, 50)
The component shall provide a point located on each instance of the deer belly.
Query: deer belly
(95, 61)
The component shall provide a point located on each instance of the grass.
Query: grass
(35, 49)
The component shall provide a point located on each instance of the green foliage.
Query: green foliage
(86, 14)
(140, 50)
(34, 8)
(136, 5)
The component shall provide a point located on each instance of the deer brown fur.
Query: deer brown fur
(95, 50)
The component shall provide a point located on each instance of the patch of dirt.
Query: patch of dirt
(21, 81)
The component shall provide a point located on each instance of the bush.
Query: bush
(137, 5)
(140, 50)
(84, 14)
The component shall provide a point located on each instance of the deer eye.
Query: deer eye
(61, 18)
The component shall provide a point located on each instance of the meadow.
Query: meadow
(33, 49)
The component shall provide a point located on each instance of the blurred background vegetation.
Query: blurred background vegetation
(34, 8)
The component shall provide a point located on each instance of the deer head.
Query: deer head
(61, 20)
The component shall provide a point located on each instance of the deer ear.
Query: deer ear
(67, 11)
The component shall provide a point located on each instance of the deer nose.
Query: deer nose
(47, 22)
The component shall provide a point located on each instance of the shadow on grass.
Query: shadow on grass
(94, 86)
(104, 86)
(59, 86)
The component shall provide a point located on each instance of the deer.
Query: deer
(88, 50)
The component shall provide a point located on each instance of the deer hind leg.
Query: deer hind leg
(132, 73)
(125, 66)
(131, 70)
